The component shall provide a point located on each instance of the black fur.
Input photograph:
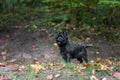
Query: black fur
(70, 51)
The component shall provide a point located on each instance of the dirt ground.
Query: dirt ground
(18, 47)
(23, 46)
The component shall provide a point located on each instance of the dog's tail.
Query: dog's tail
(87, 45)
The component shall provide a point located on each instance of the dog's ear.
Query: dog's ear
(58, 32)
(65, 33)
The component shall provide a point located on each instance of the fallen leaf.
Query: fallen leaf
(54, 64)
(7, 36)
(35, 60)
(4, 57)
(37, 67)
(46, 68)
(4, 52)
(93, 78)
(97, 52)
(87, 39)
(118, 63)
(104, 78)
(22, 67)
(92, 61)
(103, 67)
(60, 69)
(14, 73)
(19, 70)
(34, 47)
(85, 65)
(57, 75)
(3, 78)
(12, 60)
(98, 60)
(93, 71)
(116, 74)
(109, 62)
(78, 68)
(49, 77)
(3, 64)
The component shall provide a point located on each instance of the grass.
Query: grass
(66, 71)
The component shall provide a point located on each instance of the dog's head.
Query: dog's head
(61, 38)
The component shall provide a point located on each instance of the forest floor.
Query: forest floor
(35, 56)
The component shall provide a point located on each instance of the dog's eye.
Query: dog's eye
(60, 39)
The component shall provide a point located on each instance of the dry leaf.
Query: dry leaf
(85, 65)
(35, 60)
(22, 67)
(93, 78)
(87, 39)
(4, 52)
(97, 52)
(92, 61)
(93, 71)
(19, 70)
(109, 62)
(7, 36)
(78, 68)
(103, 67)
(98, 60)
(3, 78)
(49, 77)
(4, 57)
(12, 60)
(104, 78)
(3, 64)
(60, 69)
(54, 64)
(57, 75)
(34, 47)
(37, 67)
(116, 74)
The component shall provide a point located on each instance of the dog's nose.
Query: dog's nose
(59, 42)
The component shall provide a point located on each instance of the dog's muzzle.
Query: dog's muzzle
(59, 42)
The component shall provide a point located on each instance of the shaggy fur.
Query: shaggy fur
(70, 51)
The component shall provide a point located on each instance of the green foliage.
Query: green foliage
(101, 14)
(95, 12)
(32, 28)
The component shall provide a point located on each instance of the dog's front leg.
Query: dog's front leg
(68, 57)
(64, 56)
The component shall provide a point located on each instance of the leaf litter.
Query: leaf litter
(97, 65)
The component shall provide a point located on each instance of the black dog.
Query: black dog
(70, 51)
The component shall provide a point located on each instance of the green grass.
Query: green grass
(68, 72)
